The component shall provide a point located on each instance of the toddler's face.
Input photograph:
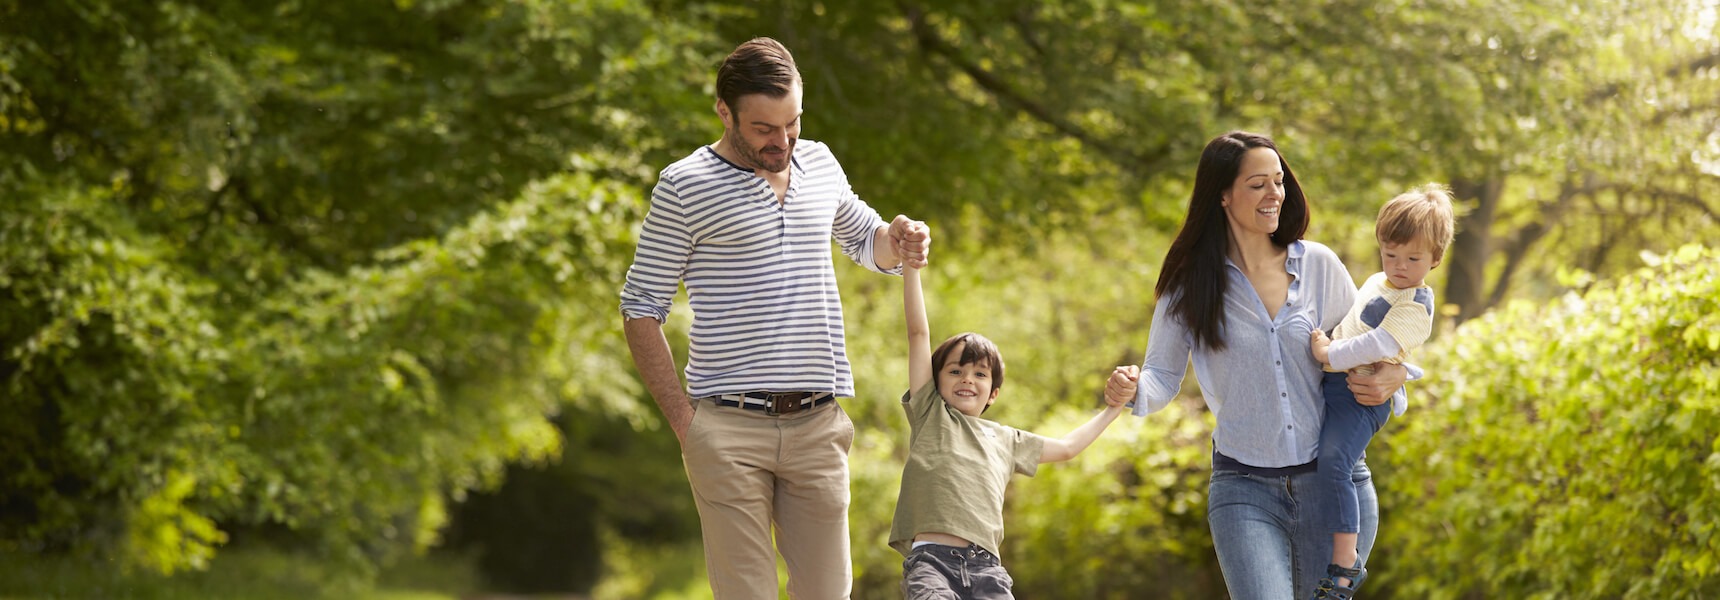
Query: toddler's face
(1407, 265)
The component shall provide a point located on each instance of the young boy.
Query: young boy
(1393, 315)
(949, 517)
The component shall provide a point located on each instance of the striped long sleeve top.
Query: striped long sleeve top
(758, 273)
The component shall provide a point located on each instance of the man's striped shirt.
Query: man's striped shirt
(766, 313)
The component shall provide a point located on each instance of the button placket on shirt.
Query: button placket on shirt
(767, 195)
(1292, 266)
(1278, 350)
(781, 208)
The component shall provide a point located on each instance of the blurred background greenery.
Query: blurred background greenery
(308, 298)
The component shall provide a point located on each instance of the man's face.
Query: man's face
(763, 129)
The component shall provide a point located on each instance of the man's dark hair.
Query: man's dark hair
(759, 66)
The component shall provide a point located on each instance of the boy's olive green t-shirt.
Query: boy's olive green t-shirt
(958, 468)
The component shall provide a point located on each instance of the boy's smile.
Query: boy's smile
(967, 387)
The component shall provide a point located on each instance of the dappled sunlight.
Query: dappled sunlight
(322, 299)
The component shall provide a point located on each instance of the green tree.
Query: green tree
(317, 267)
(1578, 149)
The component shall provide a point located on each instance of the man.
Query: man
(746, 224)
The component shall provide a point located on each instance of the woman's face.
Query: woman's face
(1253, 200)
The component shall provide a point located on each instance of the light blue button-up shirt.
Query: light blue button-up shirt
(1264, 387)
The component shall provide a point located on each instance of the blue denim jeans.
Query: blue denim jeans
(1269, 535)
(936, 571)
(1344, 435)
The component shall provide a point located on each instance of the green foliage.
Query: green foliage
(1566, 450)
(1127, 515)
(108, 350)
(315, 268)
(343, 405)
(310, 272)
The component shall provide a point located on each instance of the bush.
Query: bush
(1566, 450)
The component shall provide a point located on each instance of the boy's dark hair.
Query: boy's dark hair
(977, 351)
(759, 66)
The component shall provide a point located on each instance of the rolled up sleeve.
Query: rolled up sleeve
(854, 227)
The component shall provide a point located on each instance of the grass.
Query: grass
(669, 572)
(236, 574)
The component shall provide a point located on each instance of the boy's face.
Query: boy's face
(967, 387)
(1406, 265)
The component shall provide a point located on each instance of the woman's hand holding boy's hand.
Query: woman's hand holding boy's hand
(1120, 388)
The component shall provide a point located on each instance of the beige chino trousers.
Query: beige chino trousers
(750, 471)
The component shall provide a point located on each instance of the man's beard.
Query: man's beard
(756, 158)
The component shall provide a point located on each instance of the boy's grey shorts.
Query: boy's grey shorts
(939, 571)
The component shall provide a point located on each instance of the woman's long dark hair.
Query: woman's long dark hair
(1193, 272)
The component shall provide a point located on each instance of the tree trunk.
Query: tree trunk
(1466, 281)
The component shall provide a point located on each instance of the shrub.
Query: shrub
(1566, 450)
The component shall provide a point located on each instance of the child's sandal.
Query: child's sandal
(1330, 590)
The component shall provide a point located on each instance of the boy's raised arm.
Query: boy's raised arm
(919, 333)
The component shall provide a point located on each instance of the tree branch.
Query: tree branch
(1661, 117)
(1688, 199)
(1023, 21)
(930, 41)
(1685, 69)
(283, 233)
(1694, 201)
(1528, 235)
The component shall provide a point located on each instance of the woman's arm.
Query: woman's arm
(1377, 389)
(919, 333)
(1071, 445)
(1166, 362)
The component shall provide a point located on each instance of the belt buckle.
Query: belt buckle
(774, 407)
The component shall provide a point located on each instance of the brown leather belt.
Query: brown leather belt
(775, 403)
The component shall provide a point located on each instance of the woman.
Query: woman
(1240, 291)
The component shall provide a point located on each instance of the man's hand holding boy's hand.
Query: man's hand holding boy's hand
(912, 241)
(1120, 388)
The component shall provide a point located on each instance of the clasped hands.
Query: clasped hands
(911, 240)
